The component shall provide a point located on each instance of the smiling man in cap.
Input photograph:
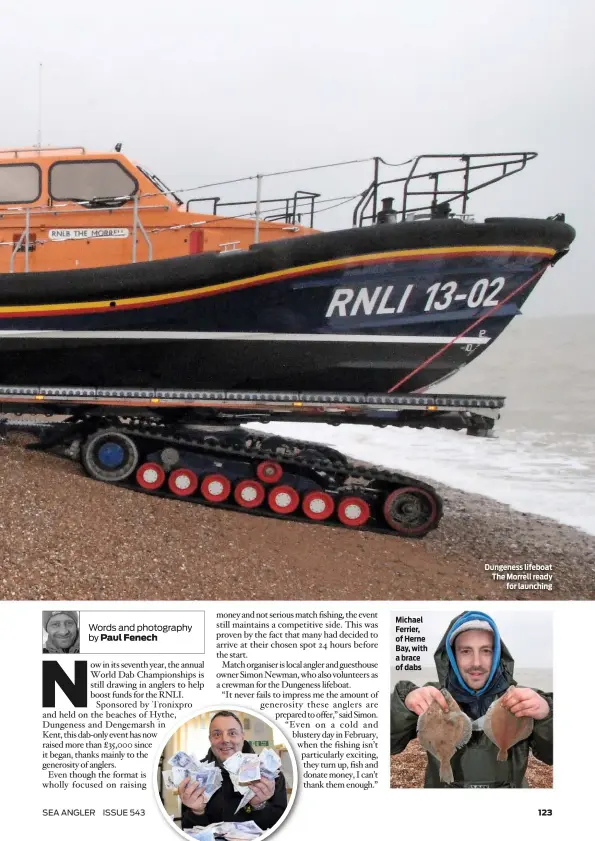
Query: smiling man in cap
(62, 628)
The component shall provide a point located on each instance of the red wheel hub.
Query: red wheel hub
(150, 476)
(249, 493)
(182, 482)
(318, 505)
(353, 511)
(269, 472)
(284, 499)
(215, 487)
(411, 511)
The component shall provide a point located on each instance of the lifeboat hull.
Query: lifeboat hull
(363, 310)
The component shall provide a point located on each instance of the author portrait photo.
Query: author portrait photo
(61, 632)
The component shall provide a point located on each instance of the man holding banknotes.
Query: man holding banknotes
(226, 735)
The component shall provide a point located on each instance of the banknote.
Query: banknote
(213, 782)
(168, 780)
(206, 774)
(181, 759)
(270, 764)
(233, 762)
(230, 830)
(246, 768)
(249, 770)
(243, 831)
(178, 775)
(202, 775)
(250, 767)
(201, 833)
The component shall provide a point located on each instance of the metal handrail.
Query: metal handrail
(306, 195)
(507, 164)
(52, 211)
(18, 244)
(33, 150)
(25, 237)
(290, 202)
(515, 163)
(136, 226)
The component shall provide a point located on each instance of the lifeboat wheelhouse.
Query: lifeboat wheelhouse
(67, 208)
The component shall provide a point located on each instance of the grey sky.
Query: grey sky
(527, 634)
(201, 91)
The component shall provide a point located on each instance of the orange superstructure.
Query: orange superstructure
(67, 208)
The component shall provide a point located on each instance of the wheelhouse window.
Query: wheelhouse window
(86, 180)
(19, 183)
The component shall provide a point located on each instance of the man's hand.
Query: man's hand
(525, 702)
(420, 699)
(264, 790)
(192, 795)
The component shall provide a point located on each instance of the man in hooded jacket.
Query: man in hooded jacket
(226, 735)
(476, 670)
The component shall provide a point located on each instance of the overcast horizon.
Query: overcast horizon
(198, 96)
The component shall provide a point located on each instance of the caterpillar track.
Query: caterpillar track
(189, 447)
(256, 473)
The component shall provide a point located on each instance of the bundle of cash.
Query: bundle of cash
(201, 833)
(270, 764)
(246, 768)
(249, 767)
(184, 765)
(243, 831)
(232, 766)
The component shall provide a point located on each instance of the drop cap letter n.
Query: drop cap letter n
(75, 690)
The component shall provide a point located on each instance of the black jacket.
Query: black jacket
(222, 805)
(475, 764)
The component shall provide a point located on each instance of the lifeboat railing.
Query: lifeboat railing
(37, 152)
(471, 172)
(137, 225)
(289, 207)
(437, 198)
(25, 242)
(23, 239)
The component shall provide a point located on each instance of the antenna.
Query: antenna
(39, 103)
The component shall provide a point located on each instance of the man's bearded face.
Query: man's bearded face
(474, 651)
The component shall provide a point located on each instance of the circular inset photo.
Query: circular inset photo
(226, 774)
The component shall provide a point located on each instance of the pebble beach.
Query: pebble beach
(65, 536)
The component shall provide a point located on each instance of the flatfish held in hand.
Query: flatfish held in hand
(442, 733)
(504, 729)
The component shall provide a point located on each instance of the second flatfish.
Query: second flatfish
(504, 729)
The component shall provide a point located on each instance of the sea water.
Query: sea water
(543, 460)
